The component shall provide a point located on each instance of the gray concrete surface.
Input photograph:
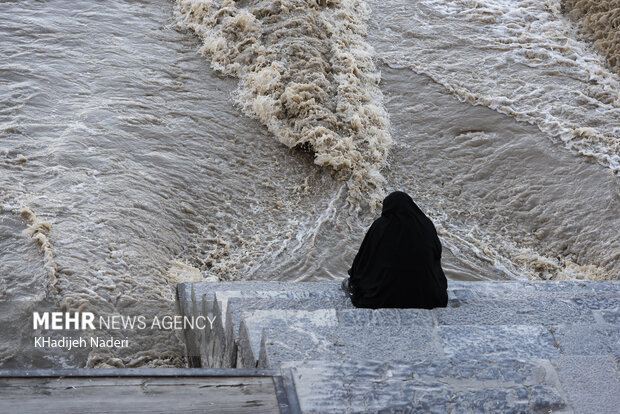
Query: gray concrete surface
(497, 347)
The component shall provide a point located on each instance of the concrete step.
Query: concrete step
(525, 289)
(559, 385)
(509, 311)
(269, 338)
(429, 386)
(213, 347)
(238, 306)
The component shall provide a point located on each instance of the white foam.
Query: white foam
(307, 74)
(523, 58)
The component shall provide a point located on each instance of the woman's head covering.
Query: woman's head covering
(399, 202)
(399, 262)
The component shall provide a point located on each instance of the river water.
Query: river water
(145, 142)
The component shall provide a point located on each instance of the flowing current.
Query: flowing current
(144, 143)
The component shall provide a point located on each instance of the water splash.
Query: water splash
(306, 72)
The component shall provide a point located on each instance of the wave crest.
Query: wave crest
(306, 72)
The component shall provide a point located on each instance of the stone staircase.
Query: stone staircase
(497, 347)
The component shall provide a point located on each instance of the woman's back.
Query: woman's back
(399, 262)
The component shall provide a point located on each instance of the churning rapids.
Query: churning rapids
(144, 143)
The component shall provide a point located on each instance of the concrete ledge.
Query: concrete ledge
(146, 390)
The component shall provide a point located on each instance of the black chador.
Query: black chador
(399, 262)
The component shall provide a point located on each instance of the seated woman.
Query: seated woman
(399, 262)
